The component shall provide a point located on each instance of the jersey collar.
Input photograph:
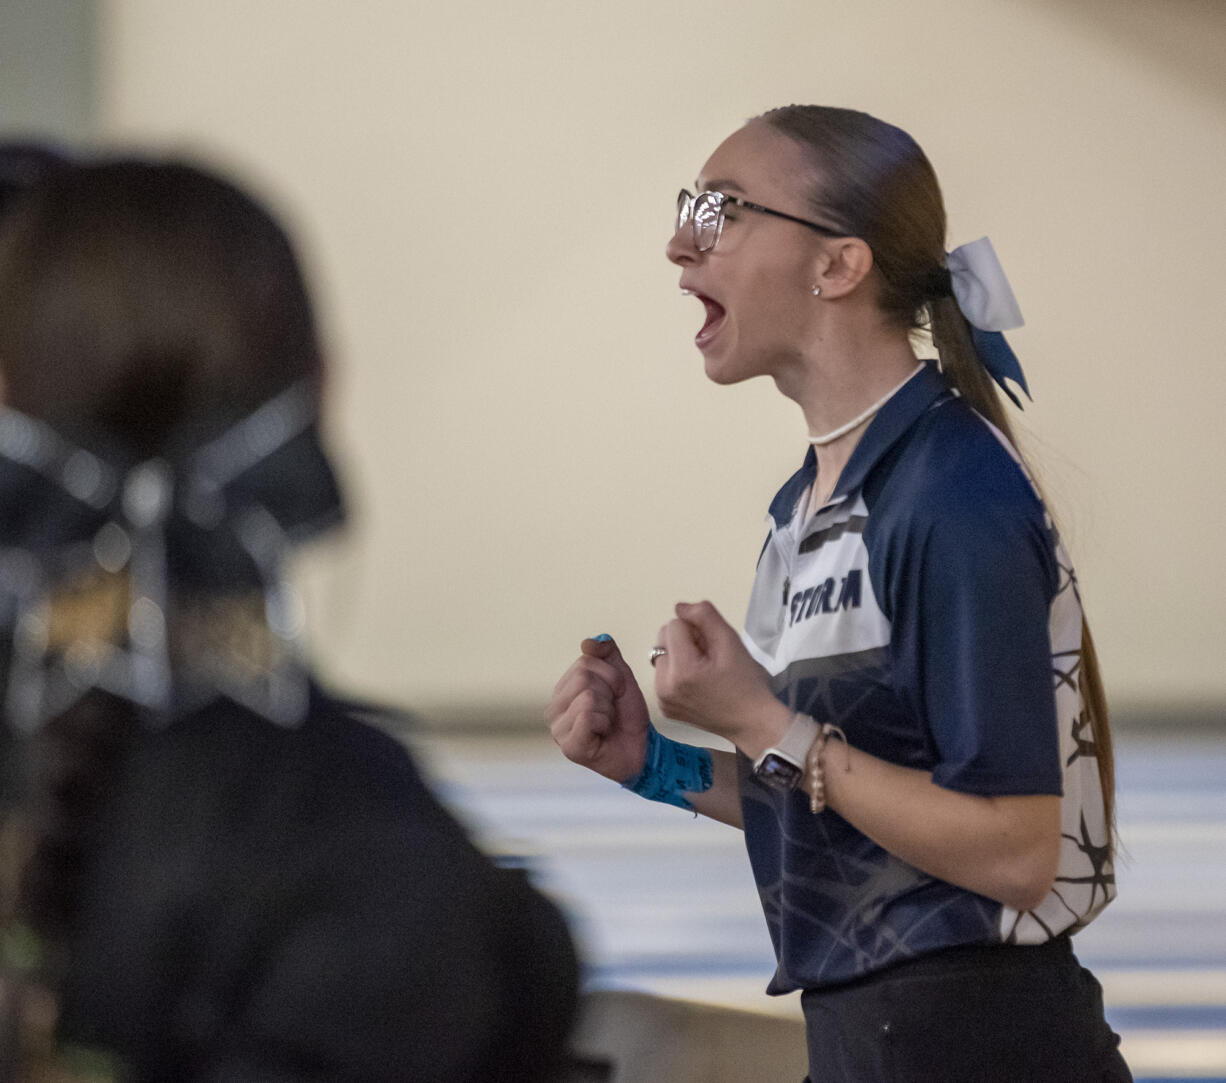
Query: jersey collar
(892, 420)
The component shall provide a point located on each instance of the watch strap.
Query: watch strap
(795, 743)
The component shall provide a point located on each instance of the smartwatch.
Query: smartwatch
(782, 767)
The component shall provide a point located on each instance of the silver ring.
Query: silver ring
(656, 652)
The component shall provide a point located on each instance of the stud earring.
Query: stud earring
(817, 291)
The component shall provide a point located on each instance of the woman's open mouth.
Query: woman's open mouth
(715, 320)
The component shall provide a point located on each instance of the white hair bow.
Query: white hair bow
(986, 300)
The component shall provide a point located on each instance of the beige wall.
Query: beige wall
(483, 191)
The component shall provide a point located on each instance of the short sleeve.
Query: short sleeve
(971, 626)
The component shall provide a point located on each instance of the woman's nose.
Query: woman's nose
(680, 248)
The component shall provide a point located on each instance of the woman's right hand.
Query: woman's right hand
(597, 714)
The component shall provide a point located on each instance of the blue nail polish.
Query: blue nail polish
(604, 637)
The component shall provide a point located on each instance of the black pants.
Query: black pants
(967, 1015)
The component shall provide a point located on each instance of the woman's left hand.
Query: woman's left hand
(708, 679)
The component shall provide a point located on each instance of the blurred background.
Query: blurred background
(482, 193)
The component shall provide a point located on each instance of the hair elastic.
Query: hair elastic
(670, 770)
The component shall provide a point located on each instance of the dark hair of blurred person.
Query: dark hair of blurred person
(214, 870)
(24, 161)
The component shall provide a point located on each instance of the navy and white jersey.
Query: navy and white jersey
(930, 611)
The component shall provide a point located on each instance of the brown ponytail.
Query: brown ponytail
(952, 337)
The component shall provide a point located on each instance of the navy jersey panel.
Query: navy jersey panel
(961, 556)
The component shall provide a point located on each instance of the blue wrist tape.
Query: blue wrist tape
(670, 770)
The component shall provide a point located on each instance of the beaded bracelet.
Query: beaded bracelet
(815, 767)
(672, 769)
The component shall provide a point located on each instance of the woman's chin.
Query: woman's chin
(724, 367)
(721, 376)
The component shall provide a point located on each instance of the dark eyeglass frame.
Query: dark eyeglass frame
(718, 201)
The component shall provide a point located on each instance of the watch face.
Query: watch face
(778, 773)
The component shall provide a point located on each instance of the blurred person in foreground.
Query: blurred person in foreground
(214, 870)
(922, 761)
(24, 161)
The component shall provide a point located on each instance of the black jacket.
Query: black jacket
(272, 904)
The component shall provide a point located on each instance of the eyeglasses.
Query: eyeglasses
(706, 211)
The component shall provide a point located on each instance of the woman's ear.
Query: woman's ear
(845, 263)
